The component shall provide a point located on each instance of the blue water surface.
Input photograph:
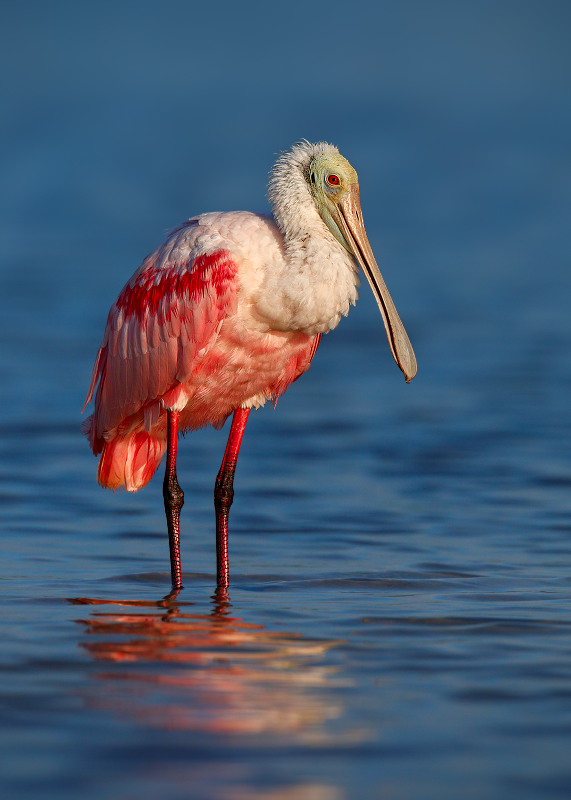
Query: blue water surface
(398, 623)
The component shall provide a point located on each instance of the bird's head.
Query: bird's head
(335, 188)
(331, 179)
(317, 177)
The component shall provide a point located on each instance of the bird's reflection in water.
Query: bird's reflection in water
(306, 791)
(213, 672)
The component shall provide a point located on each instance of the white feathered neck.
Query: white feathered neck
(317, 282)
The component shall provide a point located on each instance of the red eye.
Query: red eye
(333, 180)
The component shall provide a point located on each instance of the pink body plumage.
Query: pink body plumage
(185, 335)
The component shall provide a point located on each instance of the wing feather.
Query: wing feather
(170, 309)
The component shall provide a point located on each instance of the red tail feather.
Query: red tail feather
(130, 461)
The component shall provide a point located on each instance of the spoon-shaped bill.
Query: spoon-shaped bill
(350, 221)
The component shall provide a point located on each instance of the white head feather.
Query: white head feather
(288, 189)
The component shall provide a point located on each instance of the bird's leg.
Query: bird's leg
(224, 493)
(174, 499)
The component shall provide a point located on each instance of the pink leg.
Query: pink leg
(174, 499)
(224, 493)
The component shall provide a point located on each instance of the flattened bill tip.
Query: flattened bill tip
(350, 221)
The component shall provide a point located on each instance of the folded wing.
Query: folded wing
(168, 313)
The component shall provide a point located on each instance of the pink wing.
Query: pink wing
(168, 312)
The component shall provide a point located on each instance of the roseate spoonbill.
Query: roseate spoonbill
(225, 315)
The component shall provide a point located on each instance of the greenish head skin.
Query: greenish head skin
(335, 189)
(330, 178)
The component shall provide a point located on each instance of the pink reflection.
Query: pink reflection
(305, 791)
(212, 672)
